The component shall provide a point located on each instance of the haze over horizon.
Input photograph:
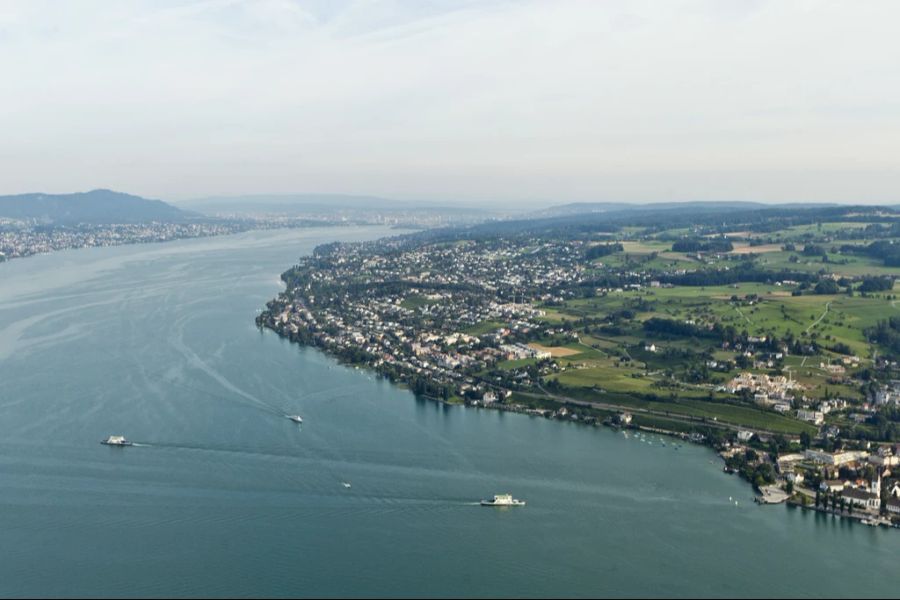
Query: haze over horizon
(531, 102)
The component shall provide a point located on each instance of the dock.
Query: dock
(772, 494)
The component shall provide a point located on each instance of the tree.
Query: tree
(827, 286)
(805, 442)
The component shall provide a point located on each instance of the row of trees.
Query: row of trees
(602, 250)
(884, 250)
(837, 501)
(671, 327)
(744, 272)
(886, 333)
(702, 245)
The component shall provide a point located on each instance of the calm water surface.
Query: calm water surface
(226, 497)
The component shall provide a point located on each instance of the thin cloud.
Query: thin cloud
(635, 101)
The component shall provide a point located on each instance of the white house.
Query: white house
(862, 498)
(811, 416)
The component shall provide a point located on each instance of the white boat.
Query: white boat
(116, 440)
(346, 484)
(869, 522)
(295, 418)
(503, 500)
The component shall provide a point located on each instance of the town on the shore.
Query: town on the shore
(703, 341)
(20, 240)
(39, 223)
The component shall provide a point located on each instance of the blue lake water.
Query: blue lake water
(226, 497)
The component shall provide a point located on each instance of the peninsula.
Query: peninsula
(767, 333)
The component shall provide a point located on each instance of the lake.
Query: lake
(223, 496)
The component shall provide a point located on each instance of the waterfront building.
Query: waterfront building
(863, 498)
(834, 458)
(892, 506)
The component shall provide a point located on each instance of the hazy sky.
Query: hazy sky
(512, 100)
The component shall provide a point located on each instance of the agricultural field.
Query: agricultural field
(831, 320)
(817, 340)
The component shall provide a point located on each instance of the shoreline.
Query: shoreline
(227, 229)
(861, 518)
(765, 496)
(609, 422)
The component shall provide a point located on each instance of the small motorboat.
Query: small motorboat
(116, 440)
(346, 484)
(295, 418)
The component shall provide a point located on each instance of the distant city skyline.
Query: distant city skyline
(527, 102)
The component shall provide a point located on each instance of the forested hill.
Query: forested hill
(704, 218)
(96, 207)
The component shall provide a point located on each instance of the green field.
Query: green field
(609, 359)
(775, 312)
(760, 310)
(415, 301)
(510, 365)
(703, 410)
(484, 327)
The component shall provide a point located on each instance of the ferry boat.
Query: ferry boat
(503, 500)
(295, 418)
(116, 440)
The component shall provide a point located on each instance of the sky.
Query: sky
(469, 101)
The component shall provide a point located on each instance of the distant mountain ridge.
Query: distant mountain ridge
(575, 208)
(96, 207)
(714, 216)
(299, 204)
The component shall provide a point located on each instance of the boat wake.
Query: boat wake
(194, 360)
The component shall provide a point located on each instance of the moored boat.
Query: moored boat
(869, 522)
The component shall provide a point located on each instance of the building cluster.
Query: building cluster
(447, 312)
(887, 395)
(865, 479)
(767, 390)
(510, 270)
(19, 242)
